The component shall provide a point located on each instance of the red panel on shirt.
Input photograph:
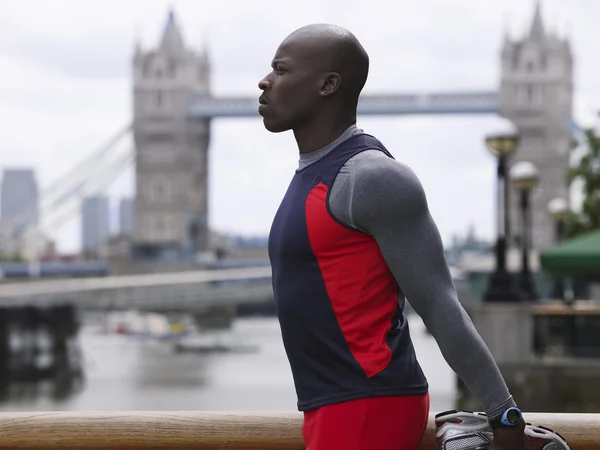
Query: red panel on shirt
(360, 285)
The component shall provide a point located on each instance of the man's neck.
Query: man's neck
(314, 137)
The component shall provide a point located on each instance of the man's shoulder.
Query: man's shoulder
(375, 166)
(383, 186)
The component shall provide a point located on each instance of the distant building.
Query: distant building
(126, 206)
(468, 247)
(94, 224)
(19, 197)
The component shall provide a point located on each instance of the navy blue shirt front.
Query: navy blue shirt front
(342, 324)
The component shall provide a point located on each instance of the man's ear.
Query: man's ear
(330, 83)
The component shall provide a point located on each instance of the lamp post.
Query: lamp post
(525, 177)
(500, 288)
(559, 210)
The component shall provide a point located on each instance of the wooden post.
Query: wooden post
(213, 431)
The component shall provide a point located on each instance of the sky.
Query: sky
(65, 88)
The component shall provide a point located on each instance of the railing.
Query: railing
(154, 280)
(156, 292)
(204, 430)
(567, 330)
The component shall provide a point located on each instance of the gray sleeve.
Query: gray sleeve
(383, 197)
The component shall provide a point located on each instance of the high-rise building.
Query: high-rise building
(19, 197)
(95, 225)
(126, 216)
(171, 203)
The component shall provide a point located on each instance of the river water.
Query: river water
(126, 374)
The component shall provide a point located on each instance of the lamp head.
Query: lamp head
(558, 208)
(524, 175)
(504, 141)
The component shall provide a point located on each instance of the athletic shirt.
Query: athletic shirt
(339, 306)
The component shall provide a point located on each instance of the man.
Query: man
(351, 238)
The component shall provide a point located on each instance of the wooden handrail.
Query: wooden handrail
(212, 431)
(582, 308)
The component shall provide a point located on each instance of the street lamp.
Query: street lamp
(559, 210)
(500, 288)
(525, 177)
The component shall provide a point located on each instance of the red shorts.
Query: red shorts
(374, 423)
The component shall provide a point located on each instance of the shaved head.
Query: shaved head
(334, 49)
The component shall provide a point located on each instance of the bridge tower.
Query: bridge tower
(171, 169)
(536, 94)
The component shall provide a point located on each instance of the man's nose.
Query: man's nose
(264, 84)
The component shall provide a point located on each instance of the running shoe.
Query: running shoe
(465, 430)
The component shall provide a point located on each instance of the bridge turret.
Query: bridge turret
(536, 94)
(171, 149)
(171, 42)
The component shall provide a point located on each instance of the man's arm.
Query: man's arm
(384, 198)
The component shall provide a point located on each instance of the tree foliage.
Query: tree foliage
(588, 171)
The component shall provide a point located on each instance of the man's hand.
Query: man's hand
(511, 439)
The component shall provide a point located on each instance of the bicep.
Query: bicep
(390, 204)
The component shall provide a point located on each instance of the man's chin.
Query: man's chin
(274, 127)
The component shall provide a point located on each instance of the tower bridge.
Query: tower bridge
(173, 108)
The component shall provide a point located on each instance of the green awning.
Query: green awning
(577, 257)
